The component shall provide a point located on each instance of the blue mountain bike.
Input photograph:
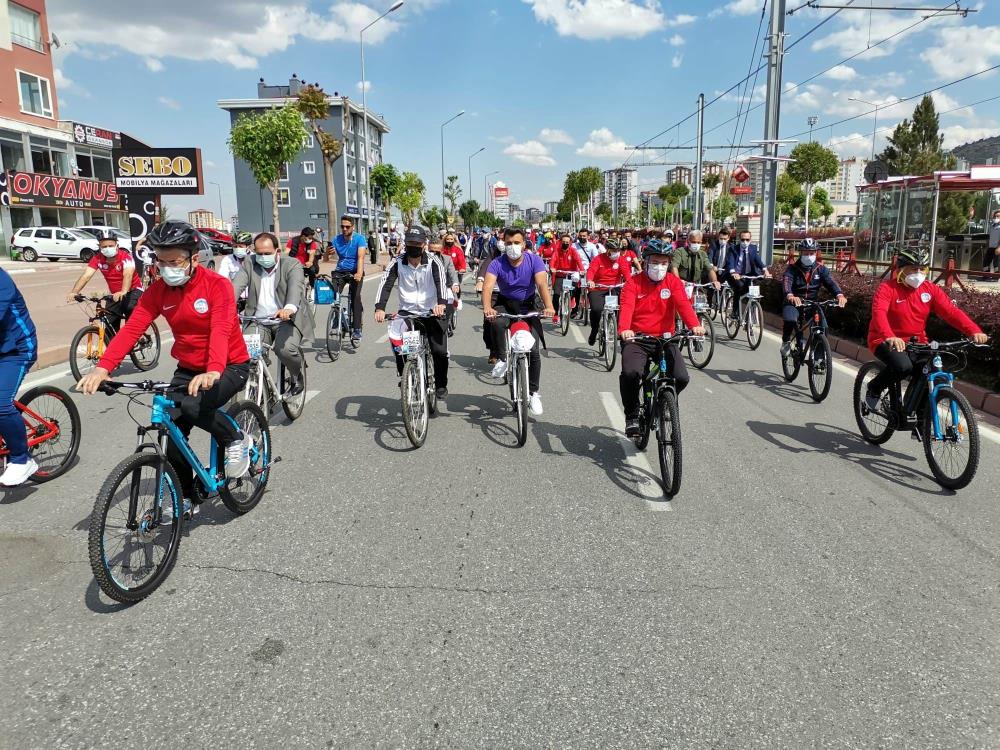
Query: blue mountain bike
(135, 528)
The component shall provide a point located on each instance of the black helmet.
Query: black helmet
(105, 233)
(808, 244)
(613, 243)
(174, 234)
(913, 256)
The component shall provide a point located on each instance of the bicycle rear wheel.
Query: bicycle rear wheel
(669, 441)
(291, 404)
(820, 368)
(84, 351)
(876, 427)
(755, 324)
(146, 352)
(415, 416)
(954, 458)
(334, 332)
(610, 341)
(645, 421)
(242, 494)
(135, 528)
(57, 426)
(700, 359)
(521, 399)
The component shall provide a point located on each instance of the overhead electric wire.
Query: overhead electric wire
(753, 57)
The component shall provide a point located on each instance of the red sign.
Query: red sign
(741, 190)
(501, 192)
(29, 189)
(740, 174)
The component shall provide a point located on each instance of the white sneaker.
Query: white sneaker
(535, 404)
(16, 474)
(499, 369)
(238, 458)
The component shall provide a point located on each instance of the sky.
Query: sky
(547, 86)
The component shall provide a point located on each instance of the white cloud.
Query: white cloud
(600, 19)
(364, 86)
(682, 19)
(963, 50)
(169, 103)
(957, 135)
(153, 64)
(676, 60)
(854, 32)
(531, 152)
(842, 73)
(552, 135)
(676, 41)
(209, 164)
(743, 7)
(503, 139)
(954, 108)
(603, 144)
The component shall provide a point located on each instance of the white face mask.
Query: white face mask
(695, 247)
(613, 254)
(174, 276)
(915, 279)
(500, 245)
(239, 252)
(657, 271)
(109, 252)
(514, 251)
(744, 244)
(808, 260)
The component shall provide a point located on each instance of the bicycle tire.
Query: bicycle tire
(432, 401)
(252, 391)
(669, 444)
(967, 417)
(150, 360)
(131, 469)
(89, 337)
(755, 324)
(243, 494)
(645, 423)
(732, 326)
(792, 363)
(294, 406)
(564, 313)
(611, 342)
(870, 430)
(41, 451)
(334, 333)
(820, 368)
(414, 397)
(700, 360)
(521, 404)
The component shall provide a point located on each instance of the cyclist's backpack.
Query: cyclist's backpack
(323, 292)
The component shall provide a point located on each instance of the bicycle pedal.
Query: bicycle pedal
(262, 469)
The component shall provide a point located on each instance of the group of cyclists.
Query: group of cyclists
(516, 272)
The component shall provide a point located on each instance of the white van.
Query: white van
(53, 243)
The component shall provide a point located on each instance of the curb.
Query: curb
(980, 398)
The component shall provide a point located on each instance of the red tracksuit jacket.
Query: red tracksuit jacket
(604, 271)
(900, 311)
(652, 308)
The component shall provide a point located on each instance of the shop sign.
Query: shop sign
(159, 171)
(30, 189)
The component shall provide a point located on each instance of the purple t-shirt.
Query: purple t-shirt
(517, 282)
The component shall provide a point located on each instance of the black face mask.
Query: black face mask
(414, 252)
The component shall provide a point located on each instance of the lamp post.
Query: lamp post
(364, 107)
(450, 119)
(875, 123)
(470, 170)
(220, 199)
(486, 188)
(812, 123)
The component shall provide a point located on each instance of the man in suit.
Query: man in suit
(743, 260)
(719, 250)
(274, 286)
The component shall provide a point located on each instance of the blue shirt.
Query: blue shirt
(517, 282)
(17, 331)
(348, 251)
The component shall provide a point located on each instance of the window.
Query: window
(34, 92)
(284, 197)
(309, 167)
(43, 234)
(25, 28)
(41, 160)
(61, 235)
(283, 174)
(102, 169)
(84, 165)
(352, 172)
(308, 141)
(310, 193)
(12, 153)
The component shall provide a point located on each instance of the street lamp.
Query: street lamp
(486, 188)
(813, 119)
(220, 199)
(443, 209)
(874, 124)
(470, 169)
(364, 109)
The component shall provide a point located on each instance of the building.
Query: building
(202, 217)
(36, 145)
(551, 208)
(713, 167)
(755, 200)
(302, 191)
(514, 213)
(498, 201)
(844, 187)
(683, 175)
(621, 190)
(533, 215)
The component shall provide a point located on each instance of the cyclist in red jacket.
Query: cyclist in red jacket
(607, 269)
(565, 260)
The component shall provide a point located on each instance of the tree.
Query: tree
(452, 192)
(314, 105)
(411, 196)
(469, 211)
(673, 194)
(431, 216)
(811, 163)
(710, 182)
(723, 207)
(603, 212)
(267, 142)
(385, 177)
(488, 219)
(789, 195)
(163, 212)
(822, 202)
(520, 224)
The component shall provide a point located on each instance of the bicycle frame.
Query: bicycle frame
(51, 430)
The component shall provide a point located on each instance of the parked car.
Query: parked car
(207, 252)
(53, 243)
(124, 240)
(215, 235)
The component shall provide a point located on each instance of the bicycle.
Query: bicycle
(719, 301)
(570, 279)
(932, 408)
(90, 342)
(261, 388)
(607, 334)
(699, 353)
(814, 351)
(517, 377)
(135, 527)
(340, 320)
(658, 409)
(417, 390)
(52, 422)
(751, 315)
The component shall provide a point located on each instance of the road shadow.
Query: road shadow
(815, 437)
(770, 381)
(490, 412)
(97, 604)
(582, 355)
(477, 367)
(382, 416)
(11, 495)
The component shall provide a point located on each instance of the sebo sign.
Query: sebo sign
(159, 171)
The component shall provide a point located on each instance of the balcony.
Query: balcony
(26, 41)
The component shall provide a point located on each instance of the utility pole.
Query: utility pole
(698, 197)
(771, 122)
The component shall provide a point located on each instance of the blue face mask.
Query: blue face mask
(266, 261)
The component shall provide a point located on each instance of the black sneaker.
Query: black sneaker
(592, 339)
(872, 402)
(441, 392)
(632, 427)
(296, 387)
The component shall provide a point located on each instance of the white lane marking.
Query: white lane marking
(985, 430)
(383, 339)
(578, 333)
(709, 390)
(21, 270)
(648, 486)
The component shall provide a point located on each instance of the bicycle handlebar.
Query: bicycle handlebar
(668, 337)
(408, 314)
(607, 287)
(111, 387)
(518, 317)
(933, 346)
(92, 298)
(259, 319)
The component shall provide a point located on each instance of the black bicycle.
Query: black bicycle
(658, 410)
(810, 347)
(932, 408)
(340, 320)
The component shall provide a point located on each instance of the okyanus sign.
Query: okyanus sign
(29, 189)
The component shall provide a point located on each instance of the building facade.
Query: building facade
(302, 190)
(202, 217)
(621, 190)
(533, 215)
(498, 201)
(681, 174)
(551, 208)
(844, 187)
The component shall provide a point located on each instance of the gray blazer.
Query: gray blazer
(287, 290)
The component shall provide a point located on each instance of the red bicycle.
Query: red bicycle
(53, 425)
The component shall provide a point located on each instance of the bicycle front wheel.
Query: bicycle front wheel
(669, 440)
(564, 313)
(820, 368)
(85, 350)
(135, 528)
(334, 333)
(755, 324)
(146, 352)
(953, 451)
(415, 415)
(610, 341)
(521, 400)
(700, 352)
(732, 325)
(241, 495)
(53, 420)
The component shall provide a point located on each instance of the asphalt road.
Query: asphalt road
(804, 589)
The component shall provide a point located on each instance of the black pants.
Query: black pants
(117, 311)
(739, 289)
(597, 298)
(991, 260)
(898, 366)
(636, 356)
(202, 411)
(437, 338)
(354, 287)
(790, 318)
(498, 347)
